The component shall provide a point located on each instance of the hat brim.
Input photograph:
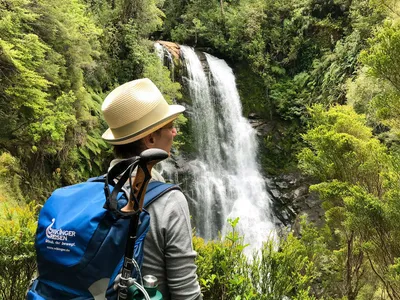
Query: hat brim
(174, 111)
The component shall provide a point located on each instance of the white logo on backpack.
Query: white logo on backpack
(59, 237)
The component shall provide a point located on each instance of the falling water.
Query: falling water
(159, 51)
(226, 178)
(165, 58)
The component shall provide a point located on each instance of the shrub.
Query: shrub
(223, 268)
(17, 259)
(274, 273)
(17, 232)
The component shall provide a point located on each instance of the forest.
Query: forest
(325, 72)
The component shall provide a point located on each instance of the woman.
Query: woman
(139, 118)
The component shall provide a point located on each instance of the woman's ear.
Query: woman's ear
(149, 140)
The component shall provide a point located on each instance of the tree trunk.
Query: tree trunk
(349, 262)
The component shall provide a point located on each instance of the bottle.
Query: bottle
(150, 283)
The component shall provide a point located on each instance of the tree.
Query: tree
(355, 172)
(47, 48)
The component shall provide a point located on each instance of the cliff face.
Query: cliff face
(289, 190)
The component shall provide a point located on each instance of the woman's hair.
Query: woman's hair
(131, 149)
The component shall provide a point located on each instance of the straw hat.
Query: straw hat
(134, 110)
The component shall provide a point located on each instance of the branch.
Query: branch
(348, 265)
(390, 8)
(386, 284)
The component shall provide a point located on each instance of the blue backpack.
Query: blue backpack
(80, 241)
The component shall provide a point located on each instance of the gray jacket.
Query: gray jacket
(168, 249)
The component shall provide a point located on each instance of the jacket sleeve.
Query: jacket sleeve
(179, 253)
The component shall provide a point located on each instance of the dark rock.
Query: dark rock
(291, 198)
(282, 184)
(270, 183)
(256, 124)
(253, 116)
(276, 193)
(265, 129)
(300, 191)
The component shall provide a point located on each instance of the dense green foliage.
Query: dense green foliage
(56, 64)
(358, 178)
(323, 74)
(17, 229)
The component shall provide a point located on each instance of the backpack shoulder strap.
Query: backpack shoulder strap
(156, 189)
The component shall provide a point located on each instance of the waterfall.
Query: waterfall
(227, 182)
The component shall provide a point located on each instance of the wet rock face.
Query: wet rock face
(261, 126)
(291, 197)
(289, 192)
(172, 48)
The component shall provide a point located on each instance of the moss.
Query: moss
(278, 147)
(252, 91)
